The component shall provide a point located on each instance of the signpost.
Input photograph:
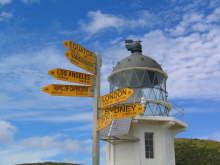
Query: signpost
(69, 90)
(117, 112)
(96, 104)
(115, 97)
(90, 62)
(72, 76)
(81, 61)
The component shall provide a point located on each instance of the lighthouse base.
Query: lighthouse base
(154, 144)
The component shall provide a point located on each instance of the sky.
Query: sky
(182, 35)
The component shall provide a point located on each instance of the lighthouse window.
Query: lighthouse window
(149, 148)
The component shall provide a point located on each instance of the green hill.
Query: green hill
(197, 152)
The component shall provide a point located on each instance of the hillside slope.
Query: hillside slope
(197, 152)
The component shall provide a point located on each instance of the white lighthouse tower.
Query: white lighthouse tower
(147, 139)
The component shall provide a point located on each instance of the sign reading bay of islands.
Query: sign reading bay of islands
(117, 112)
(116, 97)
(79, 50)
(72, 76)
(69, 90)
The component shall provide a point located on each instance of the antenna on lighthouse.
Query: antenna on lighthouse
(133, 46)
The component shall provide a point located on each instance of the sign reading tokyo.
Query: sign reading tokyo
(81, 62)
(72, 46)
(69, 90)
(116, 97)
(72, 76)
(117, 112)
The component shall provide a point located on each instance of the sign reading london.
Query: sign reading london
(117, 112)
(72, 76)
(76, 48)
(81, 61)
(69, 90)
(116, 97)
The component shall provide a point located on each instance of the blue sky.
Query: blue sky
(182, 35)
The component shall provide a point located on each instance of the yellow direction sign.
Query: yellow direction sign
(72, 46)
(81, 62)
(117, 112)
(115, 97)
(69, 90)
(72, 76)
(103, 122)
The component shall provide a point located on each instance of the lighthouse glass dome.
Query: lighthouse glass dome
(146, 77)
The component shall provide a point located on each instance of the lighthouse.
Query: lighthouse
(146, 139)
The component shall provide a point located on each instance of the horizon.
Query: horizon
(182, 36)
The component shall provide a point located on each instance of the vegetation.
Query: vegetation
(197, 152)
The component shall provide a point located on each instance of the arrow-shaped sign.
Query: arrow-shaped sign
(68, 90)
(72, 76)
(115, 97)
(72, 46)
(117, 112)
(81, 61)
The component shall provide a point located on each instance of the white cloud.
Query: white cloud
(214, 16)
(38, 149)
(86, 116)
(33, 149)
(213, 3)
(4, 2)
(7, 132)
(19, 154)
(51, 142)
(192, 61)
(5, 16)
(23, 75)
(99, 21)
(30, 1)
(212, 136)
(188, 20)
(84, 127)
(30, 74)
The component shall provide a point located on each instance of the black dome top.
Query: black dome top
(137, 60)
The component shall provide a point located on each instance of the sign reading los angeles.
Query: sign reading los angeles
(69, 90)
(72, 76)
(81, 61)
(79, 50)
(117, 112)
(115, 97)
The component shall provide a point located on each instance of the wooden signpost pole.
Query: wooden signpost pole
(96, 105)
